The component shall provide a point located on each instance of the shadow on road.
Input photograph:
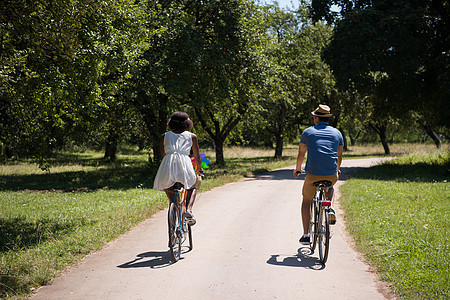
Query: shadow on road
(302, 259)
(286, 174)
(152, 259)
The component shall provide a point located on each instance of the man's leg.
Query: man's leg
(330, 194)
(306, 214)
(331, 214)
(308, 192)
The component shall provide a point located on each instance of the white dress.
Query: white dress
(176, 166)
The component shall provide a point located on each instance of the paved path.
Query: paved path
(245, 247)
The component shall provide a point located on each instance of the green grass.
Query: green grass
(50, 219)
(399, 215)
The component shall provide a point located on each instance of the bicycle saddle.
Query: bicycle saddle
(322, 182)
(177, 186)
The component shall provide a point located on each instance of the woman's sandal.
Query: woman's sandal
(190, 218)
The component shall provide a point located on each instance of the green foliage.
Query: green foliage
(398, 213)
(394, 51)
(55, 61)
(86, 74)
(296, 78)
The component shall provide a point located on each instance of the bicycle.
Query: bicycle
(179, 229)
(319, 224)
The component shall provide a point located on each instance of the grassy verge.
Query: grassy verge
(399, 215)
(50, 220)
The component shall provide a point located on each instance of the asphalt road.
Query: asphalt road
(245, 247)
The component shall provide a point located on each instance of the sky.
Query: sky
(290, 3)
(283, 3)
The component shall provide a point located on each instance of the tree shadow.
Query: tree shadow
(286, 174)
(114, 177)
(406, 172)
(302, 259)
(18, 234)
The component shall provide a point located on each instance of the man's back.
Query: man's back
(322, 142)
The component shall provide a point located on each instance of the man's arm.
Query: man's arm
(339, 155)
(300, 157)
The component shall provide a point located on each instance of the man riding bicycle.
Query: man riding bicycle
(324, 145)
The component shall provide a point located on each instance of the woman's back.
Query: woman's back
(178, 142)
(176, 165)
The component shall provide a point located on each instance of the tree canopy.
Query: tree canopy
(395, 50)
(95, 73)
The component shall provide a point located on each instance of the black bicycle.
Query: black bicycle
(319, 224)
(179, 229)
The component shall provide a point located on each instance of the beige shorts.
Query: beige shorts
(309, 190)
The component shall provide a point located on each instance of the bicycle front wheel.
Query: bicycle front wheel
(313, 225)
(174, 232)
(324, 236)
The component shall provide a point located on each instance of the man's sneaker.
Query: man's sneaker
(304, 240)
(332, 216)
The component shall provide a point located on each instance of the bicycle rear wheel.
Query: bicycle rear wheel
(324, 236)
(313, 225)
(174, 232)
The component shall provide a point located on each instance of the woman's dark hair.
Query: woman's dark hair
(179, 121)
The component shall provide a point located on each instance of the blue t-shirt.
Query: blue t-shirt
(322, 143)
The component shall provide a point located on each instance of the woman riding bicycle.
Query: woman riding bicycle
(176, 165)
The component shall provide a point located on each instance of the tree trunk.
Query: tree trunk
(155, 119)
(214, 130)
(111, 146)
(218, 145)
(353, 139)
(432, 135)
(279, 134)
(345, 139)
(279, 145)
(385, 143)
(381, 131)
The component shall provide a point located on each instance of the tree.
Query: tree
(199, 56)
(228, 72)
(396, 50)
(297, 79)
(53, 59)
(278, 102)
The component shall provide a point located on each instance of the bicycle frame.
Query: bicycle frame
(179, 200)
(178, 229)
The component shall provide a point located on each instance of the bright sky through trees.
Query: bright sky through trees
(282, 3)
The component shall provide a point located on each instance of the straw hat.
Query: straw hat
(322, 111)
